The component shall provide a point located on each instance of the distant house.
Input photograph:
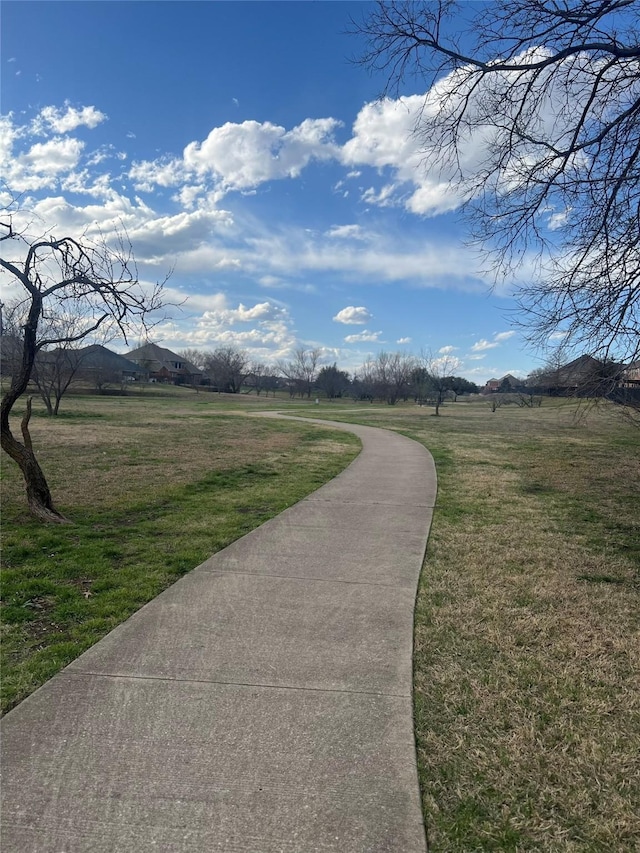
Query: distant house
(10, 354)
(102, 366)
(630, 375)
(507, 384)
(491, 387)
(163, 365)
(584, 376)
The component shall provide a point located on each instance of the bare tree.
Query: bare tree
(54, 369)
(263, 377)
(194, 356)
(227, 367)
(439, 369)
(395, 373)
(291, 376)
(307, 362)
(198, 358)
(363, 383)
(88, 280)
(256, 376)
(300, 373)
(388, 375)
(536, 125)
(53, 372)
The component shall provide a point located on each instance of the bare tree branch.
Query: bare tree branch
(536, 125)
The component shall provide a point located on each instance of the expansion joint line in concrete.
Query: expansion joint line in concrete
(79, 673)
(304, 578)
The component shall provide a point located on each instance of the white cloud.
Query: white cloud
(383, 133)
(404, 340)
(353, 316)
(245, 155)
(39, 167)
(385, 197)
(558, 220)
(433, 197)
(347, 232)
(187, 196)
(261, 311)
(384, 257)
(370, 337)
(483, 344)
(52, 157)
(202, 236)
(447, 364)
(105, 152)
(8, 135)
(209, 320)
(447, 350)
(384, 138)
(72, 118)
(498, 338)
(239, 157)
(271, 281)
(185, 228)
(164, 172)
(187, 241)
(84, 182)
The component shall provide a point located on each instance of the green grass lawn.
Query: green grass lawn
(154, 485)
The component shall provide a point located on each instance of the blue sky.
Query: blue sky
(239, 146)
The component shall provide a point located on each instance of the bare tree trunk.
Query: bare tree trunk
(48, 406)
(38, 494)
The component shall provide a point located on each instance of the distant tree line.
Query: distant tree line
(388, 377)
(426, 379)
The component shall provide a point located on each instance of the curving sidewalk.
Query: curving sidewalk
(260, 704)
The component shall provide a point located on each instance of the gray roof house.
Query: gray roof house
(163, 365)
(98, 362)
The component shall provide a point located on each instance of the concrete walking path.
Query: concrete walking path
(260, 704)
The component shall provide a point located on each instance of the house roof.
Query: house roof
(579, 369)
(10, 346)
(154, 358)
(96, 357)
(579, 372)
(10, 353)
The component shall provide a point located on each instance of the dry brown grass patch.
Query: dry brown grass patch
(530, 673)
